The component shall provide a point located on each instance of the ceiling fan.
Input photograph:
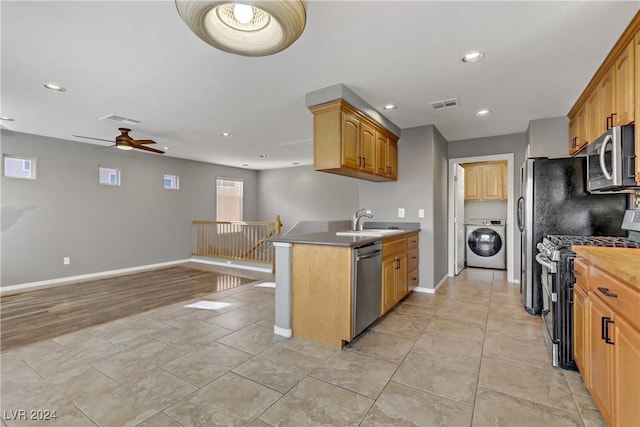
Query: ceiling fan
(125, 142)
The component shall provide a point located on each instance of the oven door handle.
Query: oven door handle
(544, 261)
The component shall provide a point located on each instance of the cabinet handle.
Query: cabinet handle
(605, 325)
(607, 293)
(359, 161)
(612, 122)
(603, 329)
(574, 141)
(364, 161)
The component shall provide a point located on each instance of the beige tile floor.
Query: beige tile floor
(466, 356)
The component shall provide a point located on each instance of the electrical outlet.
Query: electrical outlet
(66, 260)
(420, 213)
(400, 212)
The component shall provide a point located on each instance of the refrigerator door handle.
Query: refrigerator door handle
(521, 213)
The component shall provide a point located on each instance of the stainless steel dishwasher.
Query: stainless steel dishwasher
(367, 285)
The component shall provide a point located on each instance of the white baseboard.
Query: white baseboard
(282, 331)
(423, 290)
(231, 264)
(71, 279)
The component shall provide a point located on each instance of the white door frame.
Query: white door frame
(510, 222)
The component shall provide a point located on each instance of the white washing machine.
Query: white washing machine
(486, 243)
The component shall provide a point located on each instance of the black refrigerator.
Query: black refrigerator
(554, 200)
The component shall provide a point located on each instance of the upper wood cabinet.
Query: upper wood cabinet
(610, 98)
(485, 181)
(637, 107)
(346, 142)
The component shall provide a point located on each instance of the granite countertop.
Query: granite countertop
(330, 238)
(622, 263)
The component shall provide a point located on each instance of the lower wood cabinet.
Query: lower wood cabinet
(399, 270)
(607, 335)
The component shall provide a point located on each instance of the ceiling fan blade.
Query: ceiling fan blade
(153, 150)
(142, 141)
(90, 137)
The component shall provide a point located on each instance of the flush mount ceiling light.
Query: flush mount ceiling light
(250, 28)
(472, 57)
(225, 134)
(389, 107)
(482, 113)
(54, 87)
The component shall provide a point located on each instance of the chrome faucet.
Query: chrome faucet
(355, 221)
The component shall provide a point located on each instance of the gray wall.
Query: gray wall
(421, 184)
(302, 193)
(548, 137)
(65, 212)
(503, 144)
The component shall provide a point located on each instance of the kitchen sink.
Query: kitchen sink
(371, 232)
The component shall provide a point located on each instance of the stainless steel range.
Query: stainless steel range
(556, 259)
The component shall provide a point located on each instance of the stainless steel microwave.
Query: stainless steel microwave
(611, 161)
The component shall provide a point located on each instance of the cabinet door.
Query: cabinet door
(472, 183)
(600, 357)
(350, 141)
(592, 116)
(367, 148)
(492, 177)
(580, 328)
(605, 96)
(381, 154)
(392, 159)
(624, 84)
(402, 274)
(637, 108)
(388, 284)
(627, 374)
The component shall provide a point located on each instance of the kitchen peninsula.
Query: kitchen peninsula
(319, 289)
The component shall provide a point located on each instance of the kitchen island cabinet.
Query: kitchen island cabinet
(318, 287)
(609, 320)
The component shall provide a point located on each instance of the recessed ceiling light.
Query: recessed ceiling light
(484, 112)
(472, 57)
(389, 107)
(166, 148)
(225, 134)
(6, 119)
(54, 87)
(263, 156)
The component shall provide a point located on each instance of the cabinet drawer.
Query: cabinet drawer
(412, 241)
(412, 259)
(623, 299)
(581, 272)
(414, 277)
(394, 247)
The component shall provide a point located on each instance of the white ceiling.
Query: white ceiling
(139, 60)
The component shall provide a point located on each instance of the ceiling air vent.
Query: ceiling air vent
(120, 119)
(444, 104)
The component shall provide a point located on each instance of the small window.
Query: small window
(109, 176)
(229, 199)
(19, 167)
(171, 182)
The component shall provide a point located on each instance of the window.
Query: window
(228, 199)
(170, 182)
(108, 176)
(19, 167)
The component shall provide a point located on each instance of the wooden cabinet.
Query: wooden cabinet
(637, 104)
(607, 325)
(399, 267)
(610, 98)
(346, 142)
(485, 181)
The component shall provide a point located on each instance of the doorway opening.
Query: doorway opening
(456, 227)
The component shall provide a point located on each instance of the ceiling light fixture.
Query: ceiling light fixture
(6, 119)
(254, 28)
(389, 107)
(124, 147)
(225, 134)
(482, 113)
(472, 57)
(54, 87)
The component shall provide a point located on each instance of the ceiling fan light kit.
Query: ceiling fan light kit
(248, 28)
